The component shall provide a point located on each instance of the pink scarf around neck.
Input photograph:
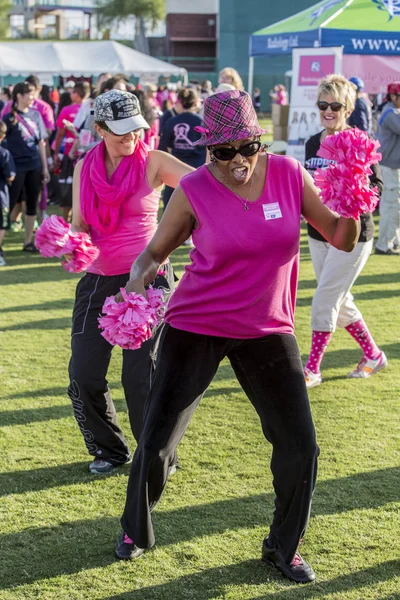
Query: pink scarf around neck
(101, 198)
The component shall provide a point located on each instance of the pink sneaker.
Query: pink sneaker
(312, 379)
(368, 366)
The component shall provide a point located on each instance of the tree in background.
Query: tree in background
(110, 11)
(5, 7)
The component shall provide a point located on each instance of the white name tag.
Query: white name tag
(272, 211)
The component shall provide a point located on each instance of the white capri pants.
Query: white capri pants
(336, 271)
(389, 209)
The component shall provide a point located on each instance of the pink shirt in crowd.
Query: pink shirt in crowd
(68, 113)
(42, 107)
(242, 280)
(137, 225)
(281, 98)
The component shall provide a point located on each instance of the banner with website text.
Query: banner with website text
(310, 65)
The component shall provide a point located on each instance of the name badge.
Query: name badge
(272, 211)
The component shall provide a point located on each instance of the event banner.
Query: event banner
(310, 65)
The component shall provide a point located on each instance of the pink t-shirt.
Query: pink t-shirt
(69, 113)
(42, 107)
(242, 279)
(137, 225)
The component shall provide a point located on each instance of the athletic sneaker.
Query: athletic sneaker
(389, 252)
(368, 366)
(298, 570)
(312, 379)
(30, 248)
(126, 549)
(102, 466)
(2, 259)
(16, 226)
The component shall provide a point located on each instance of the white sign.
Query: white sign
(310, 65)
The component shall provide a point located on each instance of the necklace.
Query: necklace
(244, 201)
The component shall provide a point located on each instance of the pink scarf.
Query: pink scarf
(101, 198)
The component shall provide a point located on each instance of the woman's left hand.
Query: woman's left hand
(45, 176)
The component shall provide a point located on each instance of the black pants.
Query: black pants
(26, 186)
(167, 193)
(91, 354)
(270, 372)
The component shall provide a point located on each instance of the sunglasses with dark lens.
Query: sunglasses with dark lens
(105, 128)
(335, 106)
(229, 153)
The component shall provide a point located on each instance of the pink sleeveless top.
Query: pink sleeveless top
(242, 279)
(137, 225)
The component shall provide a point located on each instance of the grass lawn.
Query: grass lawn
(59, 524)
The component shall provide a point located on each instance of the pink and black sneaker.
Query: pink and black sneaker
(126, 549)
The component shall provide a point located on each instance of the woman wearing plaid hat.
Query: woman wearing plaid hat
(116, 197)
(236, 300)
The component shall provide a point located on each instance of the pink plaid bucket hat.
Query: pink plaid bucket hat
(228, 116)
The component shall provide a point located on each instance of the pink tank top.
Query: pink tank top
(242, 279)
(137, 225)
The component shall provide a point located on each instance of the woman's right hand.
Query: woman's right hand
(133, 285)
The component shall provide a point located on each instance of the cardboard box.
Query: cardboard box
(280, 133)
(280, 114)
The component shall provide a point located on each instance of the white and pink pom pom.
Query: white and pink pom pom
(83, 252)
(128, 324)
(344, 186)
(52, 236)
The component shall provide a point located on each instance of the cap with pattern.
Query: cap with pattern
(120, 111)
(394, 88)
(228, 116)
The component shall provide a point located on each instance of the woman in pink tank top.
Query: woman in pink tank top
(116, 196)
(236, 300)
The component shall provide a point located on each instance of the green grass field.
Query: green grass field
(59, 524)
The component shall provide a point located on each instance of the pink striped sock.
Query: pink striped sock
(360, 332)
(319, 343)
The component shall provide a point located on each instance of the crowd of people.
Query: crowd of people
(105, 155)
(46, 131)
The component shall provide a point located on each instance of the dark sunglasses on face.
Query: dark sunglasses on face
(229, 153)
(335, 106)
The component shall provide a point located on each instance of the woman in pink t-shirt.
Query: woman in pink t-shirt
(236, 300)
(116, 198)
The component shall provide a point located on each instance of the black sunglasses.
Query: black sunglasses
(335, 106)
(104, 126)
(229, 153)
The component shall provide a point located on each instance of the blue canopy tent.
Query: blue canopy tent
(362, 27)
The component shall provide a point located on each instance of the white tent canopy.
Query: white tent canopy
(80, 59)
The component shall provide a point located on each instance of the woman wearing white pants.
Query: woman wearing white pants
(333, 304)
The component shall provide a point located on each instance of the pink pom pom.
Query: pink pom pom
(52, 236)
(352, 147)
(83, 252)
(346, 191)
(345, 185)
(128, 324)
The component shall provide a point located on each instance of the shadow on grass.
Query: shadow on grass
(36, 274)
(52, 546)
(350, 357)
(211, 583)
(25, 416)
(371, 295)
(63, 304)
(381, 278)
(44, 324)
